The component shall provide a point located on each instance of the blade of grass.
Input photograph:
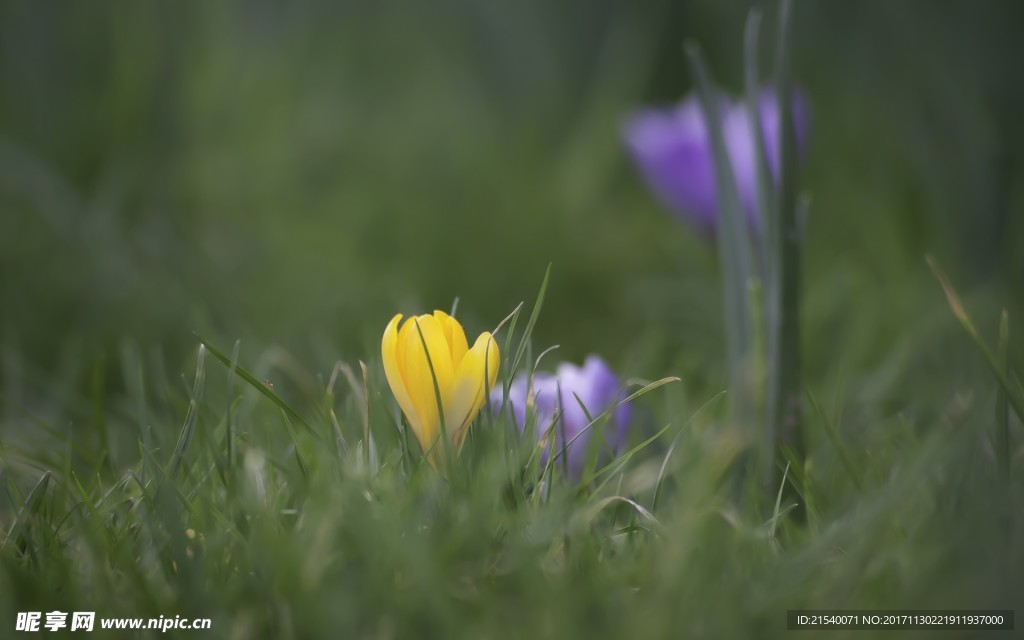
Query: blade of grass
(621, 461)
(778, 502)
(672, 448)
(14, 496)
(229, 433)
(734, 251)
(86, 499)
(365, 405)
(31, 506)
(79, 451)
(957, 308)
(767, 324)
(405, 449)
(1002, 406)
(607, 412)
(339, 437)
(784, 257)
(512, 319)
(837, 443)
(549, 439)
(529, 329)
(362, 395)
(530, 427)
(192, 415)
(259, 386)
(763, 183)
(299, 458)
(593, 444)
(595, 509)
(99, 405)
(131, 363)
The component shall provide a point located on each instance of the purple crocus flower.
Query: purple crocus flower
(672, 148)
(596, 386)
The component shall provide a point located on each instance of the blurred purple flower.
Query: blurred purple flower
(596, 386)
(672, 148)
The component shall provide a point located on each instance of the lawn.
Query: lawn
(210, 213)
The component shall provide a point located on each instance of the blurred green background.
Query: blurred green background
(294, 175)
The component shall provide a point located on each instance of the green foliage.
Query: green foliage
(300, 539)
(283, 178)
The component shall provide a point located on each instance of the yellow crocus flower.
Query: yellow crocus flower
(464, 375)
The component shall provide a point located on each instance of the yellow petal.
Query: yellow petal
(393, 368)
(455, 336)
(417, 372)
(474, 378)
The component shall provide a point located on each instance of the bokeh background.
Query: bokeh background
(292, 175)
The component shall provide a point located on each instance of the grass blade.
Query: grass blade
(1002, 406)
(784, 251)
(752, 87)
(672, 448)
(590, 514)
(607, 412)
(192, 415)
(734, 252)
(837, 443)
(32, 503)
(230, 429)
(529, 329)
(259, 386)
(767, 323)
(621, 461)
(957, 308)
(776, 514)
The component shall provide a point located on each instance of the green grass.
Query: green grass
(301, 528)
(275, 183)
